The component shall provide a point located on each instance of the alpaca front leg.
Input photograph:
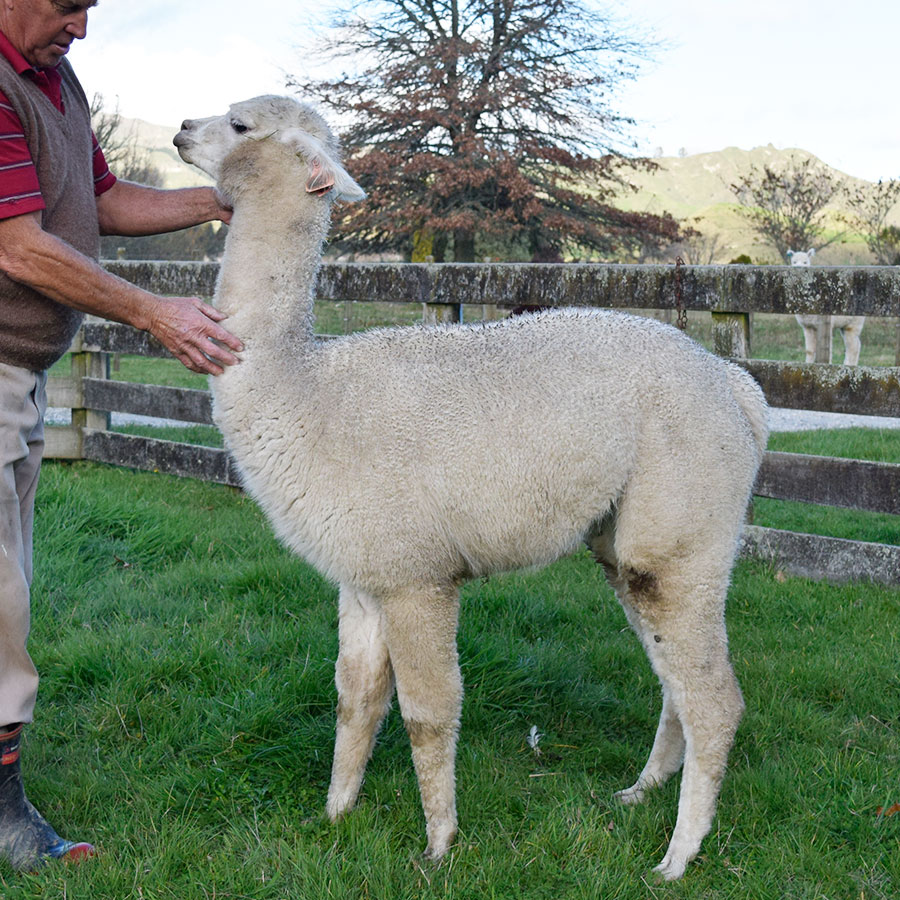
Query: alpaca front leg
(365, 684)
(422, 639)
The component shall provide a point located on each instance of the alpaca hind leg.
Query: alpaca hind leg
(691, 660)
(365, 684)
(668, 745)
(421, 633)
(665, 758)
(809, 342)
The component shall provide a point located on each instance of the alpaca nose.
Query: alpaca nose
(187, 124)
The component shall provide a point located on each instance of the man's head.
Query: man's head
(42, 30)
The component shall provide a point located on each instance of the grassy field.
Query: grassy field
(186, 718)
(875, 444)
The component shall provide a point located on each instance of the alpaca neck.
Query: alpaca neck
(268, 273)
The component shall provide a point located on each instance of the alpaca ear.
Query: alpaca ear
(326, 175)
(320, 181)
(811, 251)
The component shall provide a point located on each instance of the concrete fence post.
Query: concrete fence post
(731, 334)
(441, 313)
(823, 339)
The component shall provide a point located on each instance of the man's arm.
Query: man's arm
(134, 209)
(186, 327)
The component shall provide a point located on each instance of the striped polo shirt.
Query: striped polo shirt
(19, 189)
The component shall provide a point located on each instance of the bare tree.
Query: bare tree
(120, 148)
(696, 247)
(870, 205)
(786, 207)
(127, 160)
(479, 120)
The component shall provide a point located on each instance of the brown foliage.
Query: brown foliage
(487, 119)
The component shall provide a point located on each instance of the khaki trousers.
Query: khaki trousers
(23, 401)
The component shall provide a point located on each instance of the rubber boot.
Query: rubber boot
(26, 839)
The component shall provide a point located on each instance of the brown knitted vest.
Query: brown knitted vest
(35, 331)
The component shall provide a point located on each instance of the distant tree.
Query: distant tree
(786, 207)
(475, 121)
(120, 148)
(129, 161)
(695, 247)
(198, 243)
(870, 205)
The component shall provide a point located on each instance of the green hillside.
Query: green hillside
(696, 188)
(156, 140)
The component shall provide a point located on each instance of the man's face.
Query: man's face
(43, 30)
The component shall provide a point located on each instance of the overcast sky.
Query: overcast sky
(794, 73)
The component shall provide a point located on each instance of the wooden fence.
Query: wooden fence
(729, 293)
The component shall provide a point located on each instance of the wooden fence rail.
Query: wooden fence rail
(729, 293)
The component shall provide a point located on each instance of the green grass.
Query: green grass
(876, 444)
(203, 435)
(186, 717)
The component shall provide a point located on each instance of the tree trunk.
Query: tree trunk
(463, 245)
(439, 247)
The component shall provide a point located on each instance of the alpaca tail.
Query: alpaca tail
(752, 401)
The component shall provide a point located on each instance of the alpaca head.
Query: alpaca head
(799, 258)
(211, 144)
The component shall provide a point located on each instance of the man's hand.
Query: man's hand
(188, 328)
(224, 211)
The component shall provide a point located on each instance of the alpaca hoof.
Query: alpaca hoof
(336, 808)
(630, 796)
(670, 869)
(439, 842)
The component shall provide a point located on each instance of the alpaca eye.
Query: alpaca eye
(239, 127)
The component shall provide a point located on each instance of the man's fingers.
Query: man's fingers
(221, 335)
(190, 331)
(221, 354)
(199, 363)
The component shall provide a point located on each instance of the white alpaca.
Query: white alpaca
(850, 326)
(402, 462)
